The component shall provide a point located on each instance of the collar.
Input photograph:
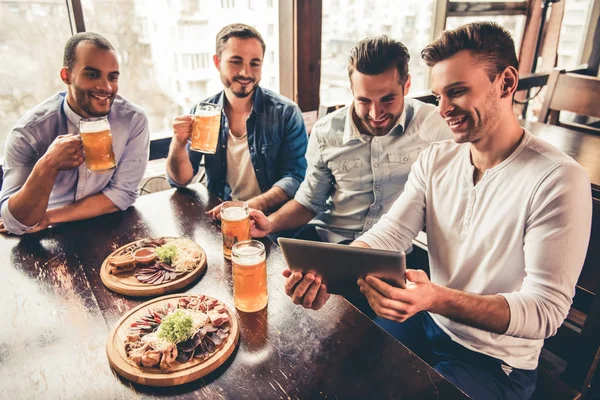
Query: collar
(351, 131)
(71, 115)
(258, 101)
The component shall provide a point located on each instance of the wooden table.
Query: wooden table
(583, 147)
(57, 315)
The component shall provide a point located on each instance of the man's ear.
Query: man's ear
(217, 61)
(509, 81)
(65, 75)
(407, 85)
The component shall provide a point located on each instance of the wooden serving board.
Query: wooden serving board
(126, 283)
(180, 373)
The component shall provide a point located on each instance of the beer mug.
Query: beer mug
(235, 224)
(205, 128)
(249, 276)
(97, 144)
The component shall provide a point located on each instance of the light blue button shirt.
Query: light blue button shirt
(32, 135)
(353, 179)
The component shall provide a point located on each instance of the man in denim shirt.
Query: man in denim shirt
(360, 156)
(45, 178)
(260, 154)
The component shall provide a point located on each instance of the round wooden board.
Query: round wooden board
(180, 373)
(127, 284)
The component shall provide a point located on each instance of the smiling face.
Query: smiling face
(240, 65)
(468, 101)
(93, 81)
(378, 100)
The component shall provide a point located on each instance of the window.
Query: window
(32, 41)
(345, 22)
(572, 34)
(172, 67)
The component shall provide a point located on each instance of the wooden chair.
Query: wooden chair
(576, 93)
(569, 360)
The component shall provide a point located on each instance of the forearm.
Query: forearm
(486, 312)
(178, 163)
(269, 200)
(88, 207)
(291, 215)
(29, 204)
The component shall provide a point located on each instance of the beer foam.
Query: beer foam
(206, 113)
(234, 213)
(94, 126)
(247, 256)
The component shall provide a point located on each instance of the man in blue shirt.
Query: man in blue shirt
(46, 180)
(262, 141)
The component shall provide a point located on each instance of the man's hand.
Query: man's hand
(215, 213)
(182, 129)
(2, 227)
(307, 291)
(260, 225)
(64, 153)
(399, 304)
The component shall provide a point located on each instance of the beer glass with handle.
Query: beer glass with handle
(97, 144)
(205, 128)
(249, 276)
(235, 224)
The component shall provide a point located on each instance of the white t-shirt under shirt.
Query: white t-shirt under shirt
(240, 172)
(521, 232)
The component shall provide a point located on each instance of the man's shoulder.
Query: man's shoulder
(126, 108)
(548, 157)
(426, 121)
(42, 113)
(332, 125)
(275, 99)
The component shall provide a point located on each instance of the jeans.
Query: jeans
(478, 375)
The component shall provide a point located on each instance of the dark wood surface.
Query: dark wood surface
(57, 315)
(583, 147)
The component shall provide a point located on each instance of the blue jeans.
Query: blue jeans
(478, 375)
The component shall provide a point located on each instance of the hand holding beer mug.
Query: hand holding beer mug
(249, 276)
(205, 129)
(235, 224)
(97, 144)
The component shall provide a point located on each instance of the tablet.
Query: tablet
(340, 266)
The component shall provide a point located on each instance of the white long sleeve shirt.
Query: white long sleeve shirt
(521, 232)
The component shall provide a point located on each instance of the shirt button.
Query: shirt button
(344, 168)
(405, 159)
(376, 165)
(377, 187)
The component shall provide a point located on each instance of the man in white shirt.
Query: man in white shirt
(508, 221)
(359, 156)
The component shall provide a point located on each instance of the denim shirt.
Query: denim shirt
(34, 133)
(277, 143)
(353, 179)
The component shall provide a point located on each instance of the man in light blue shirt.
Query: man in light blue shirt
(46, 180)
(359, 156)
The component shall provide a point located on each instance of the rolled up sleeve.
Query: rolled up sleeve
(317, 184)
(291, 159)
(123, 187)
(555, 244)
(19, 159)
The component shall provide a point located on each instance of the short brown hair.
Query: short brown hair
(240, 31)
(71, 46)
(488, 41)
(375, 55)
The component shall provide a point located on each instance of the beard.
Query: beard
(380, 130)
(238, 89)
(85, 101)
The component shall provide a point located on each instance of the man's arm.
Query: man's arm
(269, 200)
(88, 207)
(123, 187)
(28, 181)
(179, 166)
(291, 160)
(292, 215)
